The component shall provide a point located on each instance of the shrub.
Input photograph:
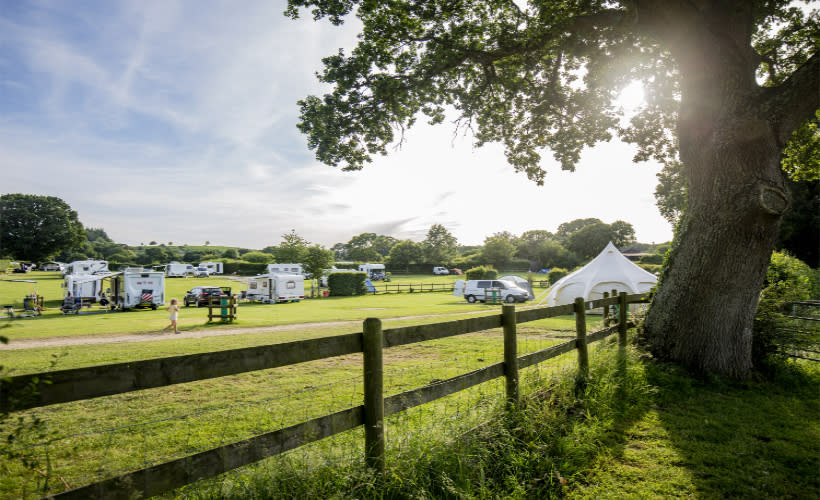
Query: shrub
(243, 268)
(788, 280)
(346, 284)
(481, 273)
(556, 273)
(651, 259)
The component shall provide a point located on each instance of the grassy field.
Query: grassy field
(123, 432)
(97, 320)
(645, 430)
(639, 429)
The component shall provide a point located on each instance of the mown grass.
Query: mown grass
(96, 320)
(124, 432)
(639, 429)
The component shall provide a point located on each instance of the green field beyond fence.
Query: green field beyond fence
(88, 464)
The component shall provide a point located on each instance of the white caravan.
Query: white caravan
(212, 267)
(86, 267)
(137, 288)
(51, 266)
(84, 288)
(178, 270)
(272, 288)
(374, 271)
(284, 269)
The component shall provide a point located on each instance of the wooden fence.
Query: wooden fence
(412, 287)
(84, 383)
(799, 335)
(420, 287)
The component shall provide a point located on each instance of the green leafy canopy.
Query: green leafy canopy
(539, 76)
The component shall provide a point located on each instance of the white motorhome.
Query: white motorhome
(51, 266)
(85, 267)
(481, 290)
(137, 288)
(272, 288)
(178, 270)
(284, 269)
(374, 271)
(213, 267)
(84, 288)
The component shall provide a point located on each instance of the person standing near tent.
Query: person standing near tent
(173, 311)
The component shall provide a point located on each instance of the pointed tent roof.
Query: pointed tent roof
(610, 270)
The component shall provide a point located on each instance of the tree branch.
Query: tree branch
(795, 100)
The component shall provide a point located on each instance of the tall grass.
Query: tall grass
(638, 429)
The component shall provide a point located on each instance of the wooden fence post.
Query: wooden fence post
(372, 343)
(606, 311)
(510, 353)
(622, 319)
(581, 338)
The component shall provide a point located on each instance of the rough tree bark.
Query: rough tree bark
(731, 139)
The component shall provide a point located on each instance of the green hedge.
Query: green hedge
(651, 259)
(244, 268)
(556, 273)
(346, 284)
(481, 273)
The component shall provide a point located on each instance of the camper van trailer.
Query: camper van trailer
(285, 269)
(212, 267)
(137, 288)
(51, 266)
(178, 270)
(272, 288)
(374, 271)
(86, 267)
(84, 288)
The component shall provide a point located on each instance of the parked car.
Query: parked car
(201, 272)
(476, 290)
(200, 295)
(440, 270)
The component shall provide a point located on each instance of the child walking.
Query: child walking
(173, 310)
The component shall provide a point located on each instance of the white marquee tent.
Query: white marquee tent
(610, 270)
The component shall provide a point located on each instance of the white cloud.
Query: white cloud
(175, 121)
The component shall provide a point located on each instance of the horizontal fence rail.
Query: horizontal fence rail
(798, 334)
(85, 383)
(412, 287)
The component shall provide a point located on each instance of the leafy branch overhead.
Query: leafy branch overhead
(539, 77)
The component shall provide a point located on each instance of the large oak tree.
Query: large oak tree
(727, 83)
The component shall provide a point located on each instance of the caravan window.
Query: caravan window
(291, 284)
(264, 284)
(252, 285)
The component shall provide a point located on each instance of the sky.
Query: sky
(175, 121)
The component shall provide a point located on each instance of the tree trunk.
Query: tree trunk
(703, 311)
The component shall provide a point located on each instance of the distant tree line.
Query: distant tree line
(39, 228)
